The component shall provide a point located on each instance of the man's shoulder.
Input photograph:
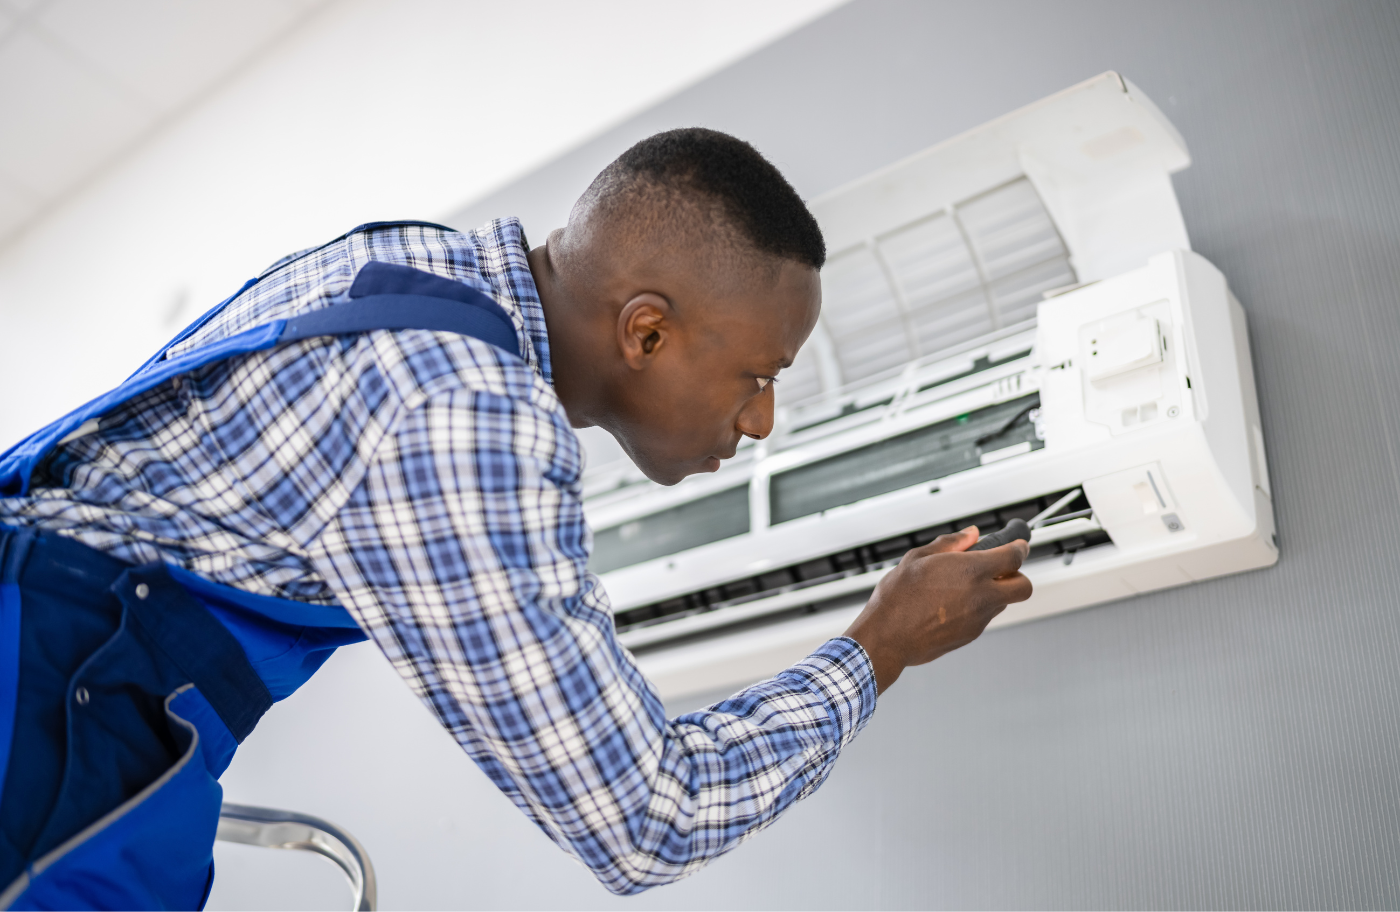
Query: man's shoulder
(413, 366)
(493, 259)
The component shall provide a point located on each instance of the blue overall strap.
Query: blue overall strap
(383, 296)
(386, 296)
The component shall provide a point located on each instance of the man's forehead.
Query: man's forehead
(783, 291)
(769, 316)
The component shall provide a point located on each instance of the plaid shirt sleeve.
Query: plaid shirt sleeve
(463, 554)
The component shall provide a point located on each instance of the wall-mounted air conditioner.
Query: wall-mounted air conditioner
(1013, 325)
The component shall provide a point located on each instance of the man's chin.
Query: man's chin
(675, 473)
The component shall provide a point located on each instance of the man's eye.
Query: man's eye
(763, 383)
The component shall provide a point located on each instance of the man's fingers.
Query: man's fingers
(1003, 560)
(999, 593)
(1016, 587)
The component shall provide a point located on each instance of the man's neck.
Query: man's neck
(577, 381)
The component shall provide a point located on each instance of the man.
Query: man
(427, 483)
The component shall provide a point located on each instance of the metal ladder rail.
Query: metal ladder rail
(277, 829)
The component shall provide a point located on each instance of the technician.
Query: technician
(374, 438)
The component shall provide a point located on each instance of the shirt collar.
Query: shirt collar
(507, 254)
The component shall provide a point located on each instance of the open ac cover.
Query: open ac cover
(1012, 320)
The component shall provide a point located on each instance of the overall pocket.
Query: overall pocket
(153, 851)
(112, 784)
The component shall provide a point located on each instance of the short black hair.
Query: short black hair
(752, 195)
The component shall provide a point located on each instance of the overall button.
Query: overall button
(142, 590)
(81, 695)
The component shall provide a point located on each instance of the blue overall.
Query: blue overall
(125, 690)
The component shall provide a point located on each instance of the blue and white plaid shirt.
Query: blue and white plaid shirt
(429, 483)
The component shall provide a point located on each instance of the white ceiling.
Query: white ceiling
(84, 81)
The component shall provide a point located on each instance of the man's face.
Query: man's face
(704, 362)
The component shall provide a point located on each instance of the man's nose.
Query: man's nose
(756, 417)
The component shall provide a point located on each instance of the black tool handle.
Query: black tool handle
(1013, 530)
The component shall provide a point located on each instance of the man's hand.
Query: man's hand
(936, 600)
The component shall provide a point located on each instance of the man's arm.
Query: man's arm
(463, 554)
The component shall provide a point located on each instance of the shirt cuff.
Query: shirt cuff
(840, 673)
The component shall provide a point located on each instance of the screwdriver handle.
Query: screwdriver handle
(1016, 528)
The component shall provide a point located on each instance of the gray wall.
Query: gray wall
(1229, 744)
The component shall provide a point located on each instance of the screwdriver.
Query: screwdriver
(1016, 528)
(1019, 528)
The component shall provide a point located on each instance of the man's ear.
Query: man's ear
(644, 327)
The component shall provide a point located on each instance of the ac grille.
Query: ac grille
(853, 561)
(939, 281)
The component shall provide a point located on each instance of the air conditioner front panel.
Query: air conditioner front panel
(1011, 320)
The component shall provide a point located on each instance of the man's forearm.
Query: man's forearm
(644, 814)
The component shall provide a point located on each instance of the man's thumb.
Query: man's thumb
(954, 541)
